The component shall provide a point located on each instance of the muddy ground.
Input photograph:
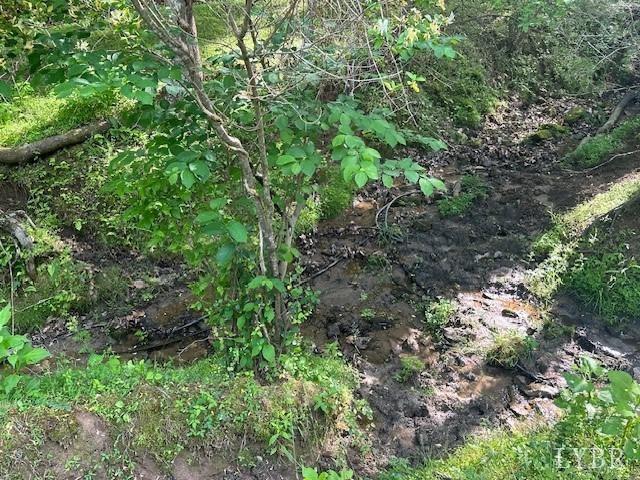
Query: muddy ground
(480, 260)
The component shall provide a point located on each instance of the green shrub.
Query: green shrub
(410, 366)
(336, 195)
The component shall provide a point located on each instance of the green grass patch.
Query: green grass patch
(472, 189)
(163, 410)
(599, 148)
(559, 244)
(509, 347)
(30, 117)
(608, 282)
(437, 315)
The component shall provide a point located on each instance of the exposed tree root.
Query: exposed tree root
(617, 112)
(10, 224)
(28, 152)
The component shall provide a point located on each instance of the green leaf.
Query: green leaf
(225, 254)
(5, 315)
(309, 473)
(237, 231)
(426, 187)
(143, 97)
(439, 184)
(6, 92)
(269, 353)
(412, 176)
(370, 154)
(370, 169)
(207, 217)
(285, 160)
(201, 169)
(33, 356)
(308, 167)
(187, 178)
(217, 203)
(361, 179)
(10, 382)
(387, 180)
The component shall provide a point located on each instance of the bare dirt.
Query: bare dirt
(375, 308)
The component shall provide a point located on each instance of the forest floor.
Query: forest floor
(380, 281)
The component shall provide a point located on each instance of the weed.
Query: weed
(509, 348)
(368, 314)
(336, 195)
(377, 261)
(437, 314)
(472, 189)
(410, 367)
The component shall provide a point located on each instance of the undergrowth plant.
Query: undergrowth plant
(472, 188)
(16, 352)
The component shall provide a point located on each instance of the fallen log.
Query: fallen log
(617, 112)
(28, 152)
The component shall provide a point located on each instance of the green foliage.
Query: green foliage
(30, 117)
(410, 367)
(16, 352)
(559, 244)
(202, 403)
(609, 282)
(509, 347)
(613, 409)
(472, 189)
(597, 149)
(548, 132)
(336, 195)
(312, 474)
(437, 314)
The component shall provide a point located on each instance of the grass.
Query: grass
(410, 367)
(514, 455)
(30, 117)
(162, 411)
(472, 189)
(509, 347)
(608, 282)
(600, 147)
(560, 243)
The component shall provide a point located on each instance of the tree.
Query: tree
(272, 113)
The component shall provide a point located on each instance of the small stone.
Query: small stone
(540, 390)
(521, 409)
(139, 284)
